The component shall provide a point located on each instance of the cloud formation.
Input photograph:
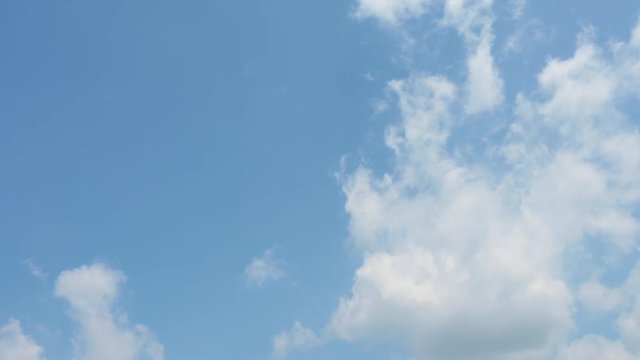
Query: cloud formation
(15, 345)
(103, 334)
(453, 265)
(491, 255)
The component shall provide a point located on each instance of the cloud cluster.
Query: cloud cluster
(102, 332)
(491, 256)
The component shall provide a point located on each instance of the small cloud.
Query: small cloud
(369, 76)
(298, 337)
(35, 270)
(263, 270)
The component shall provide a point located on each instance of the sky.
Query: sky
(355, 179)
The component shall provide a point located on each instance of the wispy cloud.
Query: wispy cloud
(264, 269)
(35, 270)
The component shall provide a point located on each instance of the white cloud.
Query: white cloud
(298, 337)
(580, 86)
(391, 12)
(103, 334)
(264, 269)
(14, 345)
(485, 86)
(450, 268)
(465, 258)
(474, 21)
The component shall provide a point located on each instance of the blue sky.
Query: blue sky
(379, 179)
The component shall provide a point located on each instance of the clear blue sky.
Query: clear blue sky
(196, 147)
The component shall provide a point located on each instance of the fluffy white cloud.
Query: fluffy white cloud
(452, 266)
(14, 345)
(264, 269)
(103, 333)
(298, 337)
(467, 256)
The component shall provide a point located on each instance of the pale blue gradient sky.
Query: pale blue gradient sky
(177, 141)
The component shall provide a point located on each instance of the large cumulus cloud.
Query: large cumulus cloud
(495, 254)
